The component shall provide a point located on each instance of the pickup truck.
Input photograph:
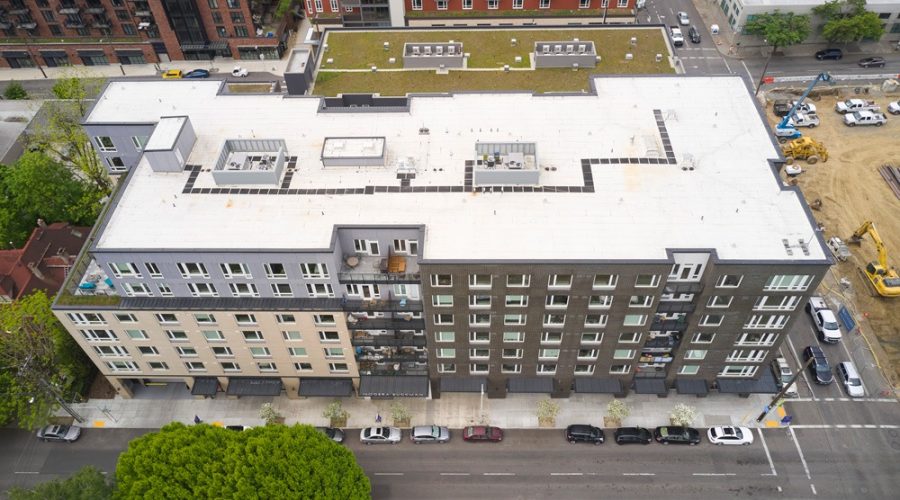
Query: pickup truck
(894, 108)
(804, 120)
(851, 105)
(677, 37)
(782, 106)
(824, 320)
(864, 118)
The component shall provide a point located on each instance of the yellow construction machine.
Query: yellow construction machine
(804, 148)
(883, 278)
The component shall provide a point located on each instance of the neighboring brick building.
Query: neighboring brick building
(399, 13)
(97, 32)
(43, 263)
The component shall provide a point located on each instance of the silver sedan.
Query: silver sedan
(430, 434)
(380, 435)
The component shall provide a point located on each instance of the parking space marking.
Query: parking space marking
(762, 438)
(800, 452)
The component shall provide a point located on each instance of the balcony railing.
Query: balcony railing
(68, 10)
(396, 358)
(683, 288)
(74, 24)
(95, 10)
(378, 269)
(382, 305)
(396, 340)
(663, 325)
(661, 344)
(388, 324)
(675, 307)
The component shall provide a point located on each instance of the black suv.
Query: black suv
(819, 368)
(677, 435)
(835, 54)
(633, 435)
(694, 35)
(584, 433)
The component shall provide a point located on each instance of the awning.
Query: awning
(387, 386)
(530, 384)
(691, 386)
(763, 385)
(14, 53)
(254, 386)
(90, 53)
(205, 386)
(598, 385)
(463, 384)
(650, 386)
(129, 52)
(217, 45)
(332, 387)
(53, 53)
(193, 47)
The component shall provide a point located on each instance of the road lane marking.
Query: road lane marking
(766, 447)
(499, 474)
(845, 426)
(388, 473)
(813, 488)
(870, 426)
(799, 451)
(455, 474)
(794, 351)
(714, 474)
(26, 472)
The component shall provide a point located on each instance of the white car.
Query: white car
(239, 72)
(380, 435)
(730, 435)
(683, 18)
(848, 375)
(894, 108)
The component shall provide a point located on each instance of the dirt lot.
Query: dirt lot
(852, 191)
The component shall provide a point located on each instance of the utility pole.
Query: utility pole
(762, 77)
(773, 404)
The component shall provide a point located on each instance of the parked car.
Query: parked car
(239, 72)
(677, 37)
(850, 378)
(894, 108)
(238, 427)
(694, 35)
(429, 434)
(333, 434)
(172, 74)
(683, 18)
(66, 433)
(380, 435)
(819, 368)
(197, 73)
(672, 434)
(632, 435)
(823, 318)
(872, 62)
(730, 435)
(584, 434)
(835, 54)
(783, 375)
(483, 433)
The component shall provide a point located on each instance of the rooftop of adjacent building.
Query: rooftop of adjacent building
(673, 162)
(811, 3)
(42, 264)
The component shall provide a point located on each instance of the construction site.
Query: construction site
(852, 179)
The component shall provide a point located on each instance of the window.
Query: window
(591, 337)
(517, 4)
(584, 369)
(738, 371)
(712, 319)
(559, 281)
(213, 4)
(122, 366)
(443, 319)
(757, 339)
(776, 303)
(480, 319)
(153, 270)
(788, 282)
(110, 350)
(192, 270)
(323, 319)
(689, 370)
(115, 163)
(444, 336)
(554, 319)
(729, 281)
(303, 367)
(620, 369)
(86, 318)
(319, 290)
(623, 354)
(588, 353)
(158, 365)
(514, 336)
(767, 321)
(634, 320)
(105, 144)
(202, 290)
(686, 272)
(333, 4)
(329, 336)
(479, 368)
(545, 4)
(600, 301)
(195, 366)
(166, 319)
(445, 367)
(260, 352)
(213, 335)
(695, 354)
(551, 337)
(417, 5)
(291, 335)
(338, 367)
(753, 356)
(236, 4)
(719, 301)
(546, 368)
(333, 352)
(125, 270)
(605, 280)
(252, 335)
(703, 338)
(640, 301)
(442, 300)
(479, 353)
(243, 290)
(493, 4)
(164, 290)
(136, 334)
(518, 280)
(366, 247)
(186, 352)
(232, 270)
(441, 280)
(629, 337)
(595, 320)
(407, 247)
(176, 335)
(516, 300)
(446, 353)
(646, 281)
(282, 290)
(266, 366)
(479, 301)
(230, 366)
(479, 337)
(512, 353)
(510, 368)
(554, 301)
(126, 318)
(245, 319)
(289, 319)
(584, 4)
(222, 352)
(513, 319)
(137, 290)
(314, 270)
(622, 4)
(275, 270)
(480, 280)
(297, 351)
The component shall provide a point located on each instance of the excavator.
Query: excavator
(884, 279)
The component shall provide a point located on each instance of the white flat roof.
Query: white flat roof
(730, 201)
(165, 134)
(353, 147)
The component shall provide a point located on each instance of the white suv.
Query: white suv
(783, 375)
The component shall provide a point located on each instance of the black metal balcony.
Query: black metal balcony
(396, 340)
(27, 26)
(95, 10)
(5, 25)
(18, 12)
(663, 325)
(382, 305)
(74, 24)
(388, 324)
(675, 307)
(143, 13)
(100, 24)
(661, 344)
(683, 287)
(68, 10)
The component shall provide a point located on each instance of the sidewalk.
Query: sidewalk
(453, 410)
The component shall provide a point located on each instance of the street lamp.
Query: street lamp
(765, 68)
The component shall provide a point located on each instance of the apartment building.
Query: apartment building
(399, 13)
(98, 32)
(635, 238)
(739, 12)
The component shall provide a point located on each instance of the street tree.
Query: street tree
(203, 461)
(38, 187)
(89, 483)
(848, 21)
(779, 29)
(40, 363)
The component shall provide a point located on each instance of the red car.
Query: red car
(483, 433)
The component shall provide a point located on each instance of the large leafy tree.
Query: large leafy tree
(780, 29)
(37, 187)
(848, 21)
(203, 461)
(89, 483)
(39, 361)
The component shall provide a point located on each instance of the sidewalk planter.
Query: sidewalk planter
(547, 422)
(547, 411)
(338, 422)
(401, 423)
(610, 422)
(400, 414)
(336, 414)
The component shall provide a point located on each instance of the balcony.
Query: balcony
(362, 338)
(668, 325)
(27, 25)
(649, 358)
(377, 269)
(373, 368)
(143, 13)
(95, 10)
(68, 10)
(661, 344)
(5, 25)
(396, 323)
(386, 305)
(18, 12)
(100, 23)
(392, 355)
(74, 24)
(675, 307)
(677, 287)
